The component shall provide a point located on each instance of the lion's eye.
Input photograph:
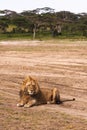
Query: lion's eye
(28, 84)
(33, 84)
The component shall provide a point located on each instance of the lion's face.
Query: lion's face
(31, 86)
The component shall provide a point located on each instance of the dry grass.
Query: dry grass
(54, 63)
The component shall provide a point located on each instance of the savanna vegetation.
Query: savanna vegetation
(42, 23)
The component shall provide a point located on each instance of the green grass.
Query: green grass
(17, 36)
(20, 36)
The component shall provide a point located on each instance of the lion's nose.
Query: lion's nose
(31, 90)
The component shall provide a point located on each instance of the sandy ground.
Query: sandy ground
(61, 64)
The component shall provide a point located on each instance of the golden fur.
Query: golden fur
(31, 94)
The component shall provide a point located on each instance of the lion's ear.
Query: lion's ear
(25, 80)
(30, 78)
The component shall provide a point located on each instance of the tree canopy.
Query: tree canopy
(43, 20)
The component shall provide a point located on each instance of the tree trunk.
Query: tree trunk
(34, 31)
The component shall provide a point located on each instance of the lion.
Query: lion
(29, 83)
(31, 94)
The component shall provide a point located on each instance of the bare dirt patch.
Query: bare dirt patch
(54, 63)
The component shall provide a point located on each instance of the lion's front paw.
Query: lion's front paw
(26, 105)
(20, 105)
(48, 102)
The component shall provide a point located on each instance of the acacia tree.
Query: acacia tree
(43, 20)
(4, 24)
(33, 20)
(40, 17)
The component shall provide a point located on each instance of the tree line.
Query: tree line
(43, 21)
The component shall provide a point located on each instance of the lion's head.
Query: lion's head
(30, 86)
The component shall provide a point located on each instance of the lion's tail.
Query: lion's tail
(65, 100)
